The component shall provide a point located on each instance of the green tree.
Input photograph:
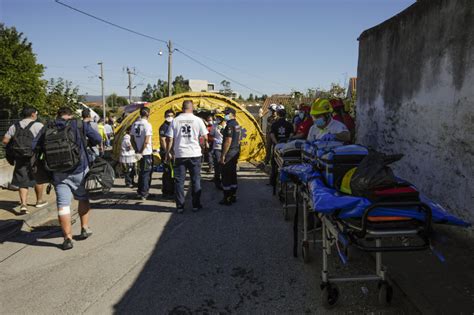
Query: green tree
(20, 75)
(337, 91)
(180, 85)
(147, 94)
(61, 92)
(114, 101)
(250, 98)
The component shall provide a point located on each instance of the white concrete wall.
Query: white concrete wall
(416, 97)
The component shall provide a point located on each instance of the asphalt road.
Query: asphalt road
(144, 258)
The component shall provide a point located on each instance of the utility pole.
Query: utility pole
(129, 85)
(170, 54)
(102, 84)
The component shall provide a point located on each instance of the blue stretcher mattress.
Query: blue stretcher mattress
(328, 200)
(304, 172)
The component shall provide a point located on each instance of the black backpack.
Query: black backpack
(22, 141)
(61, 147)
(100, 177)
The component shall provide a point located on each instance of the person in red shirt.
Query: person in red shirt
(341, 115)
(302, 128)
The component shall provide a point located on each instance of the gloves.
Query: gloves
(328, 137)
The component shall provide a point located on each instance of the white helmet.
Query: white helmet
(280, 107)
(273, 107)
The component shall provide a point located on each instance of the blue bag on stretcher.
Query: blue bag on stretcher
(312, 150)
(329, 201)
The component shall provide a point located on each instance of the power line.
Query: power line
(219, 73)
(234, 68)
(110, 23)
(163, 41)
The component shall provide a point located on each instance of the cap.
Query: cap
(229, 110)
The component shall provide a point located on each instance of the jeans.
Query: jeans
(144, 175)
(217, 167)
(129, 173)
(210, 158)
(193, 165)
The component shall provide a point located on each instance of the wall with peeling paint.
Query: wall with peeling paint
(416, 96)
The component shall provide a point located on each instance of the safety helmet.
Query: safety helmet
(273, 107)
(320, 106)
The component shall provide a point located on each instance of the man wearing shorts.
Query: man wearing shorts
(71, 184)
(22, 173)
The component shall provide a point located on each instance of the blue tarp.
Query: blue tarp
(304, 172)
(328, 200)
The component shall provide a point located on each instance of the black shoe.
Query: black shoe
(233, 199)
(67, 244)
(85, 233)
(180, 210)
(197, 208)
(225, 202)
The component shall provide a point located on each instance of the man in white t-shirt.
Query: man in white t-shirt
(141, 134)
(325, 128)
(183, 136)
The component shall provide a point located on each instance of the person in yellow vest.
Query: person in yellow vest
(326, 128)
(101, 130)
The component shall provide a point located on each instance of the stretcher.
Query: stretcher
(286, 154)
(347, 221)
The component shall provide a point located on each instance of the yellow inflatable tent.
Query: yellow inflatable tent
(252, 145)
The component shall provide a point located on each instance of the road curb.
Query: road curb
(13, 227)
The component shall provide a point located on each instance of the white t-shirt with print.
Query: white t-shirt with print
(186, 129)
(140, 129)
(334, 127)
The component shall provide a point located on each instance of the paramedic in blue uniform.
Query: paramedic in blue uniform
(230, 156)
(280, 132)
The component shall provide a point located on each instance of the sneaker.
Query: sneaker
(41, 204)
(24, 209)
(197, 208)
(179, 210)
(67, 244)
(85, 233)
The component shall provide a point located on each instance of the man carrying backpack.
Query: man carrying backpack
(63, 145)
(19, 139)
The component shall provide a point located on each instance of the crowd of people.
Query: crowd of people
(66, 148)
(324, 120)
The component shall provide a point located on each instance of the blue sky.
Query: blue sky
(270, 46)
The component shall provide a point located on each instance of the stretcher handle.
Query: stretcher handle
(420, 205)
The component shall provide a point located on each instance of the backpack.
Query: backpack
(62, 152)
(21, 143)
(100, 177)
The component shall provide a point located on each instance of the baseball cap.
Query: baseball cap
(229, 110)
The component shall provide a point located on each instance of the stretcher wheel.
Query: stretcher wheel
(305, 253)
(385, 294)
(329, 296)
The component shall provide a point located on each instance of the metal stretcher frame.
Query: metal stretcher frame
(282, 161)
(337, 233)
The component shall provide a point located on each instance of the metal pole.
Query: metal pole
(129, 86)
(102, 86)
(170, 53)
